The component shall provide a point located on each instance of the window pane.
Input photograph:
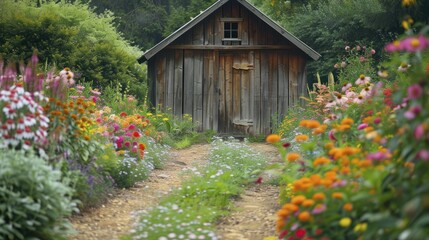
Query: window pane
(227, 34)
(234, 34)
(234, 25)
(227, 26)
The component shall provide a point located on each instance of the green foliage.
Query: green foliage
(184, 12)
(34, 198)
(71, 35)
(130, 171)
(157, 153)
(329, 26)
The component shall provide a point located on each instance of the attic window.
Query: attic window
(231, 31)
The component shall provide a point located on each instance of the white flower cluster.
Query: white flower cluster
(22, 121)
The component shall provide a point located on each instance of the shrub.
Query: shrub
(34, 199)
(130, 171)
(71, 35)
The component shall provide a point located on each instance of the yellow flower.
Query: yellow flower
(270, 238)
(165, 119)
(345, 222)
(273, 138)
(149, 114)
(406, 3)
(361, 227)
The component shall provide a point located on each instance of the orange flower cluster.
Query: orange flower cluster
(70, 117)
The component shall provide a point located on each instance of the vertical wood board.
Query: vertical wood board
(197, 114)
(178, 83)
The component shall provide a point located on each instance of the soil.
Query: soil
(253, 217)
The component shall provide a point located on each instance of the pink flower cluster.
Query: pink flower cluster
(409, 44)
(22, 122)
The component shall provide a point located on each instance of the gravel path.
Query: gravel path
(253, 218)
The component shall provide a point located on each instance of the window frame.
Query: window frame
(231, 21)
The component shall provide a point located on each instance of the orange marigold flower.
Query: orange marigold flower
(315, 179)
(298, 199)
(332, 175)
(291, 157)
(142, 146)
(319, 196)
(348, 207)
(329, 145)
(321, 161)
(301, 138)
(347, 121)
(87, 138)
(304, 216)
(320, 129)
(283, 213)
(273, 138)
(74, 116)
(303, 123)
(313, 124)
(56, 113)
(280, 224)
(290, 207)
(345, 170)
(308, 203)
(365, 163)
(337, 195)
(409, 165)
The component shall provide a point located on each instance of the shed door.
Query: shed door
(235, 92)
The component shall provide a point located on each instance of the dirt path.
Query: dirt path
(115, 218)
(255, 211)
(253, 219)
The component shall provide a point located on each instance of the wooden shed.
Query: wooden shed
(231, 68)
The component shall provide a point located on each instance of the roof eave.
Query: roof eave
(176, 34)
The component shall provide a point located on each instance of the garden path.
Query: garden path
(253, 218)
(116, 217)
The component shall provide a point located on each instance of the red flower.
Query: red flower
(286, 145)
(319, 231)
(259, 180)
(142, 146)
(123, 114)
(300, 233)
(136, 134)
(283, 234)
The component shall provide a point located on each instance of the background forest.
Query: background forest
(102, 39)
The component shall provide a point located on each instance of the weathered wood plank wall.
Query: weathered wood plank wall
(220, 86)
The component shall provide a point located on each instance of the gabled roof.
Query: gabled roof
(179, 32)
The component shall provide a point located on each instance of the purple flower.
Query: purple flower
(115, 127)
(362, 126)
(319, 209)
(392, 47)
(415, 91)
(414, 44)
(423, 155)
(377, 156)
(419, 131)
